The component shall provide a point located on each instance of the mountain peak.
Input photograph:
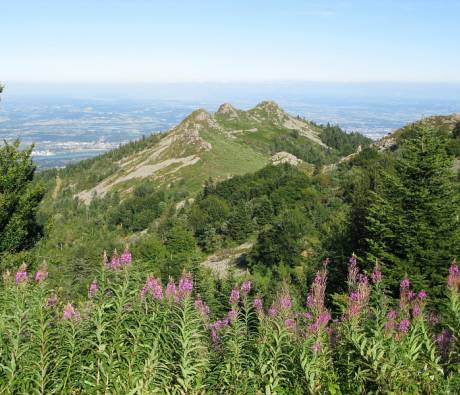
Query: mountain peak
(227, 109)
(269, 105)
(200, 115)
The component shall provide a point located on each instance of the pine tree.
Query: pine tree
(240, 224)
(413, 222)
(19, 199)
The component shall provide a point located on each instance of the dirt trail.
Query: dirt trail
(57, 187)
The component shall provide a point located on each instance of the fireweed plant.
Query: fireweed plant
(135, 335)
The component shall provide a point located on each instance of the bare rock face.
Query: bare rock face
(227, 110)
(285, 157)
(269, 105)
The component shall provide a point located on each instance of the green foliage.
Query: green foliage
(345, 143)
(283, 242)
(131, 337)
(138, 211)
(413, 221)
(456, 131)
(19, 199)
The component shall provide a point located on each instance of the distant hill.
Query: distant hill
(210, 145)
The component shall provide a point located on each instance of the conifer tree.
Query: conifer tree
(413, 222)
(19, 199)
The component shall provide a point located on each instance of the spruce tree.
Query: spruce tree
(19, 199)
(413, 221)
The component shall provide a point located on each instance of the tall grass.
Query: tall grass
(134, 335)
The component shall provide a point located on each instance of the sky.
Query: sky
(132, 41)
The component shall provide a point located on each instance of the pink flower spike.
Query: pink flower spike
(52, 300)
(93, 289)
(289, 323)
(285, 301)
(376, 276)
(21, 274)
(246, 287)
(202, 307)
(171, 291)
(404, 326)
(41, 275)
(258, 305)
(70, 312)
(185, 285)
(231, 316)
(234, 296)
(153, 287)
(316, 347)
(405, 283)
(115, 261)
(392, 314)
(416, 310)
(126, 258)
(272, 311)
(422, 295)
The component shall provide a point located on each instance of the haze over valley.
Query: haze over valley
(68, 124)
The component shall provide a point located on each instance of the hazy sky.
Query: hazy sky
(220, 40)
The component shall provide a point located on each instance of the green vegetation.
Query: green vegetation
(132, 335)
(213, 205)
(19, 199)
(413, 221)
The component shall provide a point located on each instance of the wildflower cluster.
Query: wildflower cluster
(144, 336)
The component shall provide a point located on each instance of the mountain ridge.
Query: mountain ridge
(227, 142)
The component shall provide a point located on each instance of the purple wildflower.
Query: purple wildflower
(389, 325)
(315, 298)
(405, 283)
(352, 270)
(285, 301)
(153, 287)
(115, 261)
(202, 307)
(234, 296)
(316, 347)
(21, 274)
(171, 290)
(185, 285)
(52, 300)
(246, 287)
(376, 273)
(93, 289)
(392, 314)
(354, 296)
(41, 275)
(416, 310)
(323, 318)
(231, 316)
(444, 342)
(404, 326)
(272, 311)
(307, 315)
(70, 312)
(258, 305)
(422, 295)
(289, 323)
(126, 258)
